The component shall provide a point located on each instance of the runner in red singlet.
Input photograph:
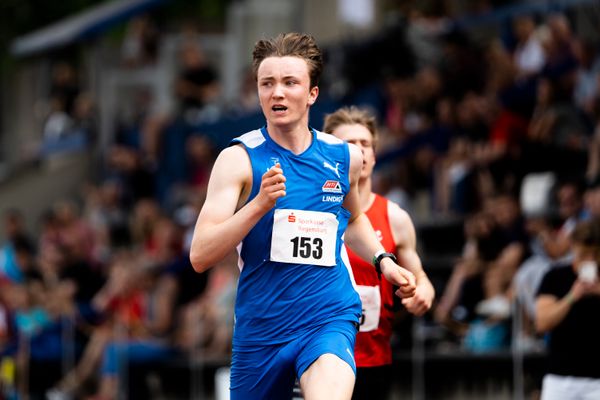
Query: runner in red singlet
(396, 233)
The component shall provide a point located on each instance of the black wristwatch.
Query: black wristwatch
(380, 256)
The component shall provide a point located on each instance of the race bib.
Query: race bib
(371, 307)
(304, 237)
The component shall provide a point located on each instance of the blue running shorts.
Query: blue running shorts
(269, 372)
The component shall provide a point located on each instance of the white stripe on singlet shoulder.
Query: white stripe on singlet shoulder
(328, 138)
(252, 139)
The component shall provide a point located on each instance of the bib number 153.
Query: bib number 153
(304, 237)
(306, 247)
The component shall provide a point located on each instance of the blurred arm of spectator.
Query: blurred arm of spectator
(152, 131)
(5, 328)
(551, 311)
(468, 266)
(552, 305)
(554, 244)
(451, 171)
(501, 70)
(485, 153)
(164, 304)
(541, 126)
(544, 118)
(120, 281)
(75, 379)
(501, 270)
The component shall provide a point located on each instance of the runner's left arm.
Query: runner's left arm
(405, 238)
(361, 238)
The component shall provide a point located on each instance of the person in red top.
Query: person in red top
(396, 233)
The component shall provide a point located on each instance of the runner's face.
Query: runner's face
(284, 90)
(360, 136)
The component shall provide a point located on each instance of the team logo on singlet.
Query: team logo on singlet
(274, 160)
(332, 187)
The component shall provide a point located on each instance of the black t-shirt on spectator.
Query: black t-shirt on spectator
(87, 280)
(191, 283)
(574, 345)
(201, 76)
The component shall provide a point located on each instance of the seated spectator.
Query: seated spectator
(479, 285)
(141, 42)
(456, 307)
(197, 83)
(514, 250)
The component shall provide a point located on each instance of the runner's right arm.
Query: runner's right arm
(220, 228)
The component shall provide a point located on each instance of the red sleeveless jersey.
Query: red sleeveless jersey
(373, 340)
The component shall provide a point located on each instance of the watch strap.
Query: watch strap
(380, 255)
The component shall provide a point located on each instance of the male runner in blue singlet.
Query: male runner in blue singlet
(284, 195)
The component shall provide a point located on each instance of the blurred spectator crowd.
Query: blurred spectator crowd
(501, 135)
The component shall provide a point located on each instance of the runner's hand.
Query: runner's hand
(421, 302)
(398, 276)
(272, 187)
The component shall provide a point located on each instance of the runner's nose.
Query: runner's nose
(278, 91)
